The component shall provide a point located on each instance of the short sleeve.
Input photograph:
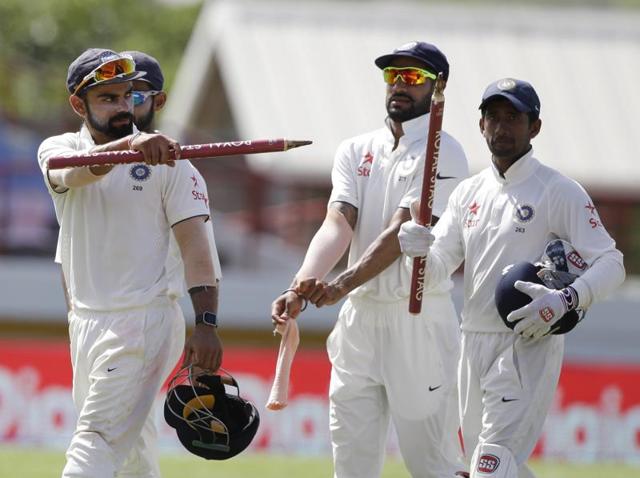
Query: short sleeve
(67, 143)
(184, 194)
(344, 188)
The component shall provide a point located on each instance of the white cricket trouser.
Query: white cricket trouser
(387, 364)
(120, 361)
(506, 386)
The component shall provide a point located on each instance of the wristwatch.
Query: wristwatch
(207, 318)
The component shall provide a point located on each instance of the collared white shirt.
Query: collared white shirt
(493, 221)
(114, 233)
(377, 180)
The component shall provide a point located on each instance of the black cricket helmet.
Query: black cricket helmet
(210, 422)
(561, 265)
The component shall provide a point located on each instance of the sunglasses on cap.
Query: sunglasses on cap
(108, 71)
(410, 75)
(140, 97)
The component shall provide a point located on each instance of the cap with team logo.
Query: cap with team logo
(100, 66)
(520, 93)
(150, 66)
(425, 52)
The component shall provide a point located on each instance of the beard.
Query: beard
(408, 111)
(144, 123)
(108, 128)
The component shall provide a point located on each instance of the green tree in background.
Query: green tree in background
(39, 38)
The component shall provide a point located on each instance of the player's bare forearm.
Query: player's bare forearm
(78, 177)
(329, 243)
(192, 238)
(327, 246)
(203, 348)
(378, 256)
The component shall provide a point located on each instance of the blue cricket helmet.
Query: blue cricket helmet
(508, 298)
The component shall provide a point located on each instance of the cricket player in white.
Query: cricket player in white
(506, 214)
(386, 363)
(115, 223)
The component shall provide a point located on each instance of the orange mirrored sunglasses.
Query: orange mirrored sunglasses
(108, 71)
(410, 75)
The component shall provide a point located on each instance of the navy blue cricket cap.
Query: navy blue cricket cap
(425, 52)
(150, 66)
(520, 93)
(88, 61)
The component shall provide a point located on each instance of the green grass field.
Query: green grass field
(36, 463)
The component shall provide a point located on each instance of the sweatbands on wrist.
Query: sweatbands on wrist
(570, 298)
(305, 302)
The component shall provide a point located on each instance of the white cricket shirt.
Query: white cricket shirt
(377, 180)
(114, 233)
(493, 221)
(175, 265)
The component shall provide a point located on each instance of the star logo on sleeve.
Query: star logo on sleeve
(473, 209)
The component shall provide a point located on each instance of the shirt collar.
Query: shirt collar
(414, 129)
(518, 171)
(85, 135)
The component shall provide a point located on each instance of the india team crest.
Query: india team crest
(524, 213)
(407, 46)
(506, 84)
(140, 172)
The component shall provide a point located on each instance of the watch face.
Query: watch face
(210, 318)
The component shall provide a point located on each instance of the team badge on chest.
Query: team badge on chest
(140, 172)
(524, 213)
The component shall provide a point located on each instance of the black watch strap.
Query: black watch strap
(207, 318)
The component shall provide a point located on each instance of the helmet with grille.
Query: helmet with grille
(209, 421)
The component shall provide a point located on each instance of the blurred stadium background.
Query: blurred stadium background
(304, 70)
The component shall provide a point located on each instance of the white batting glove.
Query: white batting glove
(415, 240)
(547, 307)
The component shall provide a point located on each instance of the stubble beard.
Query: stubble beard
(108, 129)
(413, 110)
(144, 123)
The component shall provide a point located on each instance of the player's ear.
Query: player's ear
(78, 105)
(534, 129)
(481, 124)
(159, 101)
